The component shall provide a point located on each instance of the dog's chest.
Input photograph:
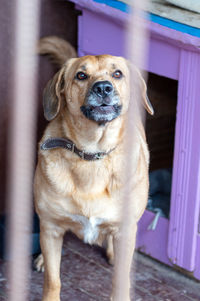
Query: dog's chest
(89, 226)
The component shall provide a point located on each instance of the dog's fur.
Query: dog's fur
(86, 196)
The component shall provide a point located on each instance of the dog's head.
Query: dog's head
(93, 87)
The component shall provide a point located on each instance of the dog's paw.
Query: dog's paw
(117, 297)
(39, 263)
(110, 257)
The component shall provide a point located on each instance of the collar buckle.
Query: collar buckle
(99, 156)
(81, 154)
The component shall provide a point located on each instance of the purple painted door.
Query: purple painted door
(175, 55)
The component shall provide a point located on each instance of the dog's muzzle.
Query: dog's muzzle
(102, 103)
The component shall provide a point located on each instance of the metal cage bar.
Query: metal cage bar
(22, 146)
(137, 48)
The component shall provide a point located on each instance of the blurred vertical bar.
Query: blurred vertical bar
(21, 145)
(137, 51)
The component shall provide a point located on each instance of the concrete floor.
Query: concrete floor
(86, 276)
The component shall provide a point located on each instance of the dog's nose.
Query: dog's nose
(102, 88)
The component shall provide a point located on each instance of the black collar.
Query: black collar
(69, 145)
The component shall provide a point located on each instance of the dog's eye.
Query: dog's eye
(117, 74)
(81, 75)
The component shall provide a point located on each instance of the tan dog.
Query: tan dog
(78, 180)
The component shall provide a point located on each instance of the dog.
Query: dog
(78, 180)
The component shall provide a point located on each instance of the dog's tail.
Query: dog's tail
(57, 49)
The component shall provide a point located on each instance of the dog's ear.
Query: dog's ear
(139, 81)
(146, 102)
(52, 95)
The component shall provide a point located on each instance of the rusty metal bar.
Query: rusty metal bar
(22, 146)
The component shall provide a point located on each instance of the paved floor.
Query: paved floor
(86, 276)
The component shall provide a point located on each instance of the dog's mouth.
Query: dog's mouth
(101, 113)
(104, 109)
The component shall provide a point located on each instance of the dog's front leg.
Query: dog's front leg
(121, 277)
(51, 245)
